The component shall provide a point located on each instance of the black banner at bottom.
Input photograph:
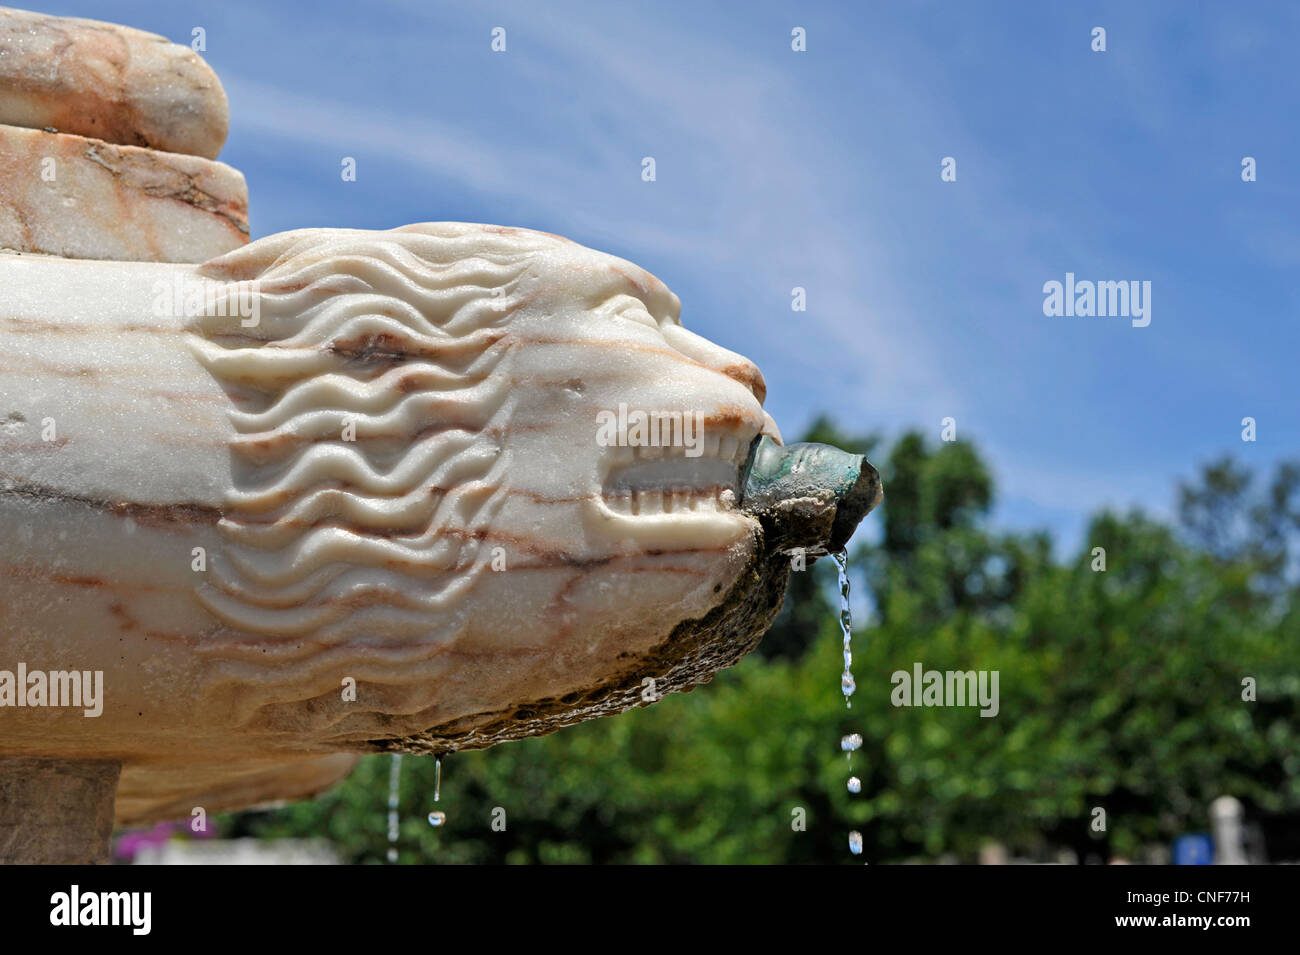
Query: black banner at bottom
(331, 905)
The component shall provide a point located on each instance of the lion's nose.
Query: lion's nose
(725, 362)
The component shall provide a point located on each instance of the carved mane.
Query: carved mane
(368, 455)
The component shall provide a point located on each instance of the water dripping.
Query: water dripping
(851, 742)
(847, 686)
(437, 818)
(394, 791)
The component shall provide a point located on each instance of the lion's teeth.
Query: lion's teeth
(710, 498)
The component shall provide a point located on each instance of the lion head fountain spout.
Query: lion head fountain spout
(341, 492)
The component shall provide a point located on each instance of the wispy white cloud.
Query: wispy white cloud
(263, 111)
(707, 102)
(823, 172)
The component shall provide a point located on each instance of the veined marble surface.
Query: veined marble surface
(386, 445)
(82, 198)
(108, 82)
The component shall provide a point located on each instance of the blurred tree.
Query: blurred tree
(1258, 531)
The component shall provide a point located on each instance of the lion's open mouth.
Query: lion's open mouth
(650, 480)
(674, 494)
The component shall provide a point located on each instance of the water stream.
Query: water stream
(436, 817)
(394, 791)
(851, 742)
(847, 686)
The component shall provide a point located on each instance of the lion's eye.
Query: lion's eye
(632, 309)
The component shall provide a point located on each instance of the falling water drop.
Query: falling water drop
(846, 627)
(851, 742)
(394, 790)
(436, 817)
(855, 784)
(855, 842)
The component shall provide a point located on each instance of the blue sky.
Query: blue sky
(821, 169)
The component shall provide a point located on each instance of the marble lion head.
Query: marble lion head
(472, 466)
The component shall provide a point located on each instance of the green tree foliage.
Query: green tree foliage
(1120, 689)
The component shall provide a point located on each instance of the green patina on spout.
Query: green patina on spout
(819, 481)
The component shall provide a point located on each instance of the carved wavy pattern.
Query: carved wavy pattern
(368, 456)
